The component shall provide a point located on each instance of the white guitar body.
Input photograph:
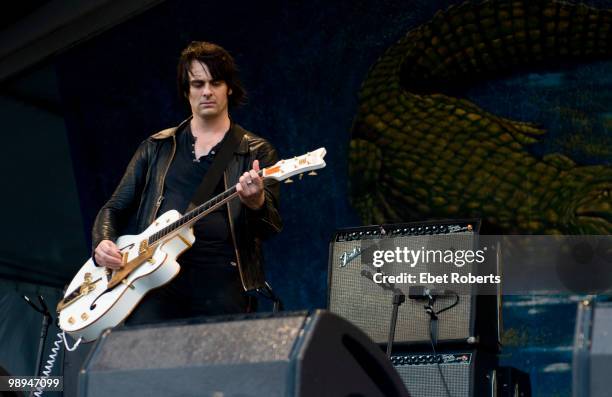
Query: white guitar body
(99, 309)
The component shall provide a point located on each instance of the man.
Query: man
(225, 260)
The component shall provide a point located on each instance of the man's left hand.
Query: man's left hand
(250, 188)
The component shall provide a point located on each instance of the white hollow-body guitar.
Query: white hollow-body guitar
(98, 297)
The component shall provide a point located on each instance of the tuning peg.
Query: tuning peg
(288, 180)
(301, 176)
(312, 173)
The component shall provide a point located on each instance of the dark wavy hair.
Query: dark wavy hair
(220, 64)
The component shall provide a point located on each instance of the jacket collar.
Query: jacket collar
(243, 148)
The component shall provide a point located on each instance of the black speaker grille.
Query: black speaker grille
(291, 355)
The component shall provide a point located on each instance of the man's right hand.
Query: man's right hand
(108, 254)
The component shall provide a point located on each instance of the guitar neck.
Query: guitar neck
(282, 170)
(196, 214)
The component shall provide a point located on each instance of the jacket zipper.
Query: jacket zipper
(161, 197)
(231, 224)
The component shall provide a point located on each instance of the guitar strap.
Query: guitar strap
(221, 161)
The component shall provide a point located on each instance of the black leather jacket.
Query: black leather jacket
(140, 193)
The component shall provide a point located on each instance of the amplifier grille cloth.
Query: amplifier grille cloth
(368, 305)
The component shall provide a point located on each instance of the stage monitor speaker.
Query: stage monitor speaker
(592, 356)
(353, 294)
(448, 373)
(283, 355)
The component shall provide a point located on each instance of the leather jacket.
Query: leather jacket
(137, 199)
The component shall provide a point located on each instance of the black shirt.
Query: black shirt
(213, 244)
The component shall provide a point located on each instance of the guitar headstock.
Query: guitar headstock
(298, 165)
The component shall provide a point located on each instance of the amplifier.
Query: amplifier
(353, 294)
(457, 374)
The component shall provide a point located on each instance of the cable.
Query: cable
(451, 306)
(49, 367)
(421, 293)
(448, 393)
(433, 317)
(61, 337)
(76, 344)
(270, 295)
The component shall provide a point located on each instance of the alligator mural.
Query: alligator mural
(420, 150)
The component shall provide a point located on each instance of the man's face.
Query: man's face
(207, 97)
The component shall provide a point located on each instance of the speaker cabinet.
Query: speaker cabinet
(283, 355)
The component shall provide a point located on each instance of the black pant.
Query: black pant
(198, 290)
